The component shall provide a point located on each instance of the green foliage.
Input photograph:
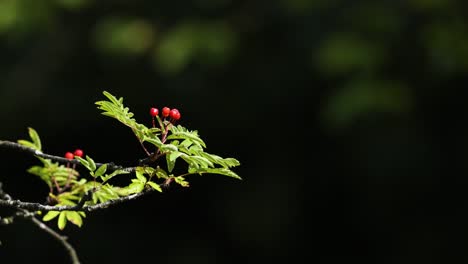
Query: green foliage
(35, 142)
(206, 43)
(54, 173)
(360, 97)
(65, 198)
(175, 142)
(169, 142)
(345, 53)
(119, 36)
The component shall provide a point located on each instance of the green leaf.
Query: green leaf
(179, 132)
(35, 138)
(186, 143)
(27, 144)
(231, 162)
(174, 155)
(113, 174)
(140, 176)
(160, 173)
(155, 131)
(197, 161)
(195, 150)
(221, 171)
(155, 186)
(112, 98)
(168, 148)
(181, 181)
(171, 158)
(104, 193)
(42, 172)
(74, 217)
(67, 198)
(62, 220)
(101, 170)
(155, 141)
(35, 143)
(135, 187)
(85, 163)
(92, 164)
(147, 170)
(50, 215)
(117, 110)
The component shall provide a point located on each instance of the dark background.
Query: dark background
(348, 118)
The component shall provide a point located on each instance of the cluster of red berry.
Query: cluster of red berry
(166, 112)
(174, 114)
(70, 156)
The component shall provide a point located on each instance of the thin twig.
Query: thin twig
(13, 145)
(79, 207)
(62, 239)
(29, 215)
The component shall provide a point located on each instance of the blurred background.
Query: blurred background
(348, 118)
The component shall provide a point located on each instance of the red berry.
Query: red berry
(154, 112)
(166, 111)
(175, 114)
(69, 155)
(79, 153)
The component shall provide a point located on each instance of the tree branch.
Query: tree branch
(62, 239)
(9, 202)
(16, 146)
(79, 207)
(29, 215)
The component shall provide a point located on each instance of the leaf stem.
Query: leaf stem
(141, 143)
(153, 157)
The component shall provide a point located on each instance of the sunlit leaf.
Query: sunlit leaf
(50, 215)
(170, 162)
(85, 163)
(62, 220)
(179, 132)
(160, 173)
(154, 186)
(101, 170)
(35, 138)
(92, 164)
(135, 187)
(221, 171)
(74, 217)
(140, 176)
(113, 174)
(26, 143)
(155, 141)
(168, 148)
(181, 181)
